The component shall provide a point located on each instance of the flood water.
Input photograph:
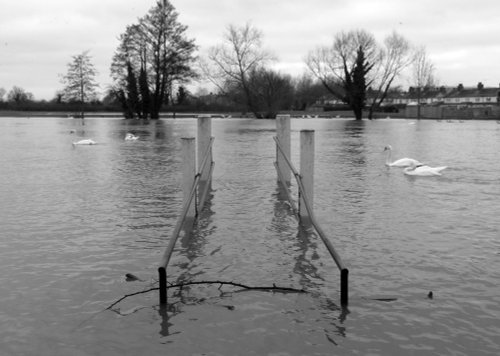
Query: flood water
(76, 219)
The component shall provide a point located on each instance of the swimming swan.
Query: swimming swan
(402, 162)
(130, 137)
(423, 170)
(85, 142)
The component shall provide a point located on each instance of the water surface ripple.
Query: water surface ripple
(76, 219)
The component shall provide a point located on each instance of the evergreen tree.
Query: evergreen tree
(181, 95)
(358, 84)
(132, 98)
(145, 94)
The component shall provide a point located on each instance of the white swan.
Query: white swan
(423, 170)
(402, 162)
(85, 142)
(131, 137)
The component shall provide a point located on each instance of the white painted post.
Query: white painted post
(204, 140)
(188, 171)
(307, 170)
(283, 135)
(204, 136)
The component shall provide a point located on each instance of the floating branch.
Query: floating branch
(274, 287)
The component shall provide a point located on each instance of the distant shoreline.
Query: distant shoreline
(236, 115)
(176, 115)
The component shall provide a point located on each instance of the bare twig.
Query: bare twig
(181, 285)
(131, 295)
(274, 287)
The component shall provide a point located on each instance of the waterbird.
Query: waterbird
(87, 141)
(402, 162)
(131, 137)
(423, 170)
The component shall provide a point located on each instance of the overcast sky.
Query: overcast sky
(38, 38)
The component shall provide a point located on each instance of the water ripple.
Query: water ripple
(76, 219)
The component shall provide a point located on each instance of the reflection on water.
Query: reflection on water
(76, 219)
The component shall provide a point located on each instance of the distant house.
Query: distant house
(473, 96)
(459, 96)
(456, 96)
(326, 102)
(459, 103)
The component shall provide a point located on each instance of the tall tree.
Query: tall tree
(422, 73)
(158, 53)
(132, 97)
(80, 85)
(231, 63)
(355, 56)
(335, 66)
(355, 84)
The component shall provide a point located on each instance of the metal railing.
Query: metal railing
(162, 269)
(344, 272)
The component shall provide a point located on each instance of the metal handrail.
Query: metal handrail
(338, 261)
(292, 168)
(287, 192)
(205, 157)
(203, 194)
(182, 218)
(313, 220)
(180, 222)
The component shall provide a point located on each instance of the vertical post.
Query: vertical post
(306, 170)
(188, 171)
(283, 135)
(162, 280)
(204, 136)
(344, 286)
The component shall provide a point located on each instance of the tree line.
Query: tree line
(155, 60)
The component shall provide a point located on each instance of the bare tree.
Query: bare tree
(231, 63)
(395, 57)
(271, 91)
(80, 85)
(422, 73)
(338, 66)
(356, 62)
(307, 91)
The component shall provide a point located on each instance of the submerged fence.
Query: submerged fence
(305, 184)
(197, 183)
(195, 186)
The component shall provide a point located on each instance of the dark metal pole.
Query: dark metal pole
(162, 274)
(344, 286)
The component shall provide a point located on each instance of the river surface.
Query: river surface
(76, 219)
